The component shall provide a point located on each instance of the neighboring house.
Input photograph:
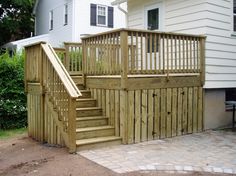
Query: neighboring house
(18, 45)
(69, 20)
(214, 19)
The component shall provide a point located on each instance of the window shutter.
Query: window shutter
(93, 14)
(110, 17)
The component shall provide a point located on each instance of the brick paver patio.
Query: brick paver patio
(211, 151)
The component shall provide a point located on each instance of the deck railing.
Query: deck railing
(44, 67)
(73, 57)
(61, 53)
(142, 52)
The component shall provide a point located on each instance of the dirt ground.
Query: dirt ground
(22, 156)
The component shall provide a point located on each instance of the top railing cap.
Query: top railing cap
(142, 30)
(34, 44)
(72, 43)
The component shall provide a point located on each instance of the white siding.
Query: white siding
(78, 19)
(82, 18)
(208, 17)
(60, 33)
(221, 45)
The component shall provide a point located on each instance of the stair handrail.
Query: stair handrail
(70, 85)
(62, 92)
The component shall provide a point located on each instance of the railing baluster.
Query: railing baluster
(151, 52)
(141, 53)
(176, 50)
(146, 53)
(137, 53)
(163, 53)
(187, 54)
(159, 53)
(168, 54)
(171, 53)
(132, 53)
(191, 56)
(155, 53)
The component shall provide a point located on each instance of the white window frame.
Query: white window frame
(151, 7)
(51, 21)
(106, 17)
(65, 14)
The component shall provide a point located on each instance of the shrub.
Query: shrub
(12, 97)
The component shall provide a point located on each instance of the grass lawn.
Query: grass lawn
(4, 134)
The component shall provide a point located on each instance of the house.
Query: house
(168, 74)
(18, 45)
(214, 19)
(59, 21)
(69, 20)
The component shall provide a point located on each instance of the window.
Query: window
(234, 12)
(51, 20)
(101, 15)
(153, 19)
(65, 14)
(152, 24)
(230, 95)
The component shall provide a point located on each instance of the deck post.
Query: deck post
(202, 59)
(72, 125)
(67, 57)
(124, 93)
(83, 62)
(35, 90)
(124, 58)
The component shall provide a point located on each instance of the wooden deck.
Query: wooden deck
(123, 86)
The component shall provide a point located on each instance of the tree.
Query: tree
(16, 20)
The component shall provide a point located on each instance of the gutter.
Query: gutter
(122, 10)
(35, 6)
(118, 3)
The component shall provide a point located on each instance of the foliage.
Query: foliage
(4, 134)
(76, 60)
(12, 96)
(16, 20)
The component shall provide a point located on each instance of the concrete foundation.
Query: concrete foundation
(215, 114)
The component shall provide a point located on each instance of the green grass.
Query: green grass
(5, 134)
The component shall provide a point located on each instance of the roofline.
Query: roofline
(117, 2)
(35, 6)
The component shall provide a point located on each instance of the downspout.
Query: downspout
(126, 14)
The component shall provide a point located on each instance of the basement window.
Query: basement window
(230, 95)
(153, 19)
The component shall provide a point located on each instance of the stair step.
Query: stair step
(86, 102)
(89, 111)
(77, 79)
(97, 142)
(80, 86)
(93, 132)
(91, 121)
(85, 94)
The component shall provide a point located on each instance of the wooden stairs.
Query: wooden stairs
(92, 127)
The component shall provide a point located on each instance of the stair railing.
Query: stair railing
(44, 66)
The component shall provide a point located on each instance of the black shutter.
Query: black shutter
(110, 17)
(93, 14)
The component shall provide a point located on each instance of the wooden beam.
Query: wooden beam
(124, 57)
